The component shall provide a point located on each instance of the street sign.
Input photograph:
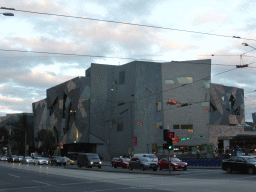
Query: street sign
(175, 139)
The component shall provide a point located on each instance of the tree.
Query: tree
(4, 135)
(48, 141)
(19, 127)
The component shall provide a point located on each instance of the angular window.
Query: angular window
(120, 126)
(206, 83)
(185, 80)
(122, 78)
(169, 81)
(176, 126)
(186, 126)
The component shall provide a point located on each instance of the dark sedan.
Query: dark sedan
(11, 159)
(240, 163)
(58, 160)
(142, 163)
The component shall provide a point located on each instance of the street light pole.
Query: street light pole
(7, 14)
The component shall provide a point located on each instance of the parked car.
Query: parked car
(11, 159)
(18, 159)
(27, 160)
(58, 160)
(88, 160)
(67, 160)
(40, 161)
(3, 158)
(121, 162)
(142, 163)
(175, 164)
(240, 163)
(114, 159)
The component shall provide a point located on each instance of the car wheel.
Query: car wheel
(229, 170)
(250, 170)
(142, 168)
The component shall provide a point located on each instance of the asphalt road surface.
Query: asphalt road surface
(18, 177)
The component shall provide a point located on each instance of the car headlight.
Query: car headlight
(91, 163)
(175, 164)
(100, 162)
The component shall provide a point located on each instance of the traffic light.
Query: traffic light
(166, 134)
(169, 144)
(165, 146)
(170, 135)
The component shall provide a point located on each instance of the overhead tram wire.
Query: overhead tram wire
(134, 24)
(97, 56)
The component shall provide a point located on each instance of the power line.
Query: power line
(134, 24)
(97, 56)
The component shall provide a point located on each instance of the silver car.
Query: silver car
(40, 161)
(27, 160)
(3, 158)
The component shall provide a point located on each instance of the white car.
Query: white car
(40, 161)
(27, 160)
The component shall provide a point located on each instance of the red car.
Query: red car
(122, 162)
(175, 164)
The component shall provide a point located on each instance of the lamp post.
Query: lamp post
(245, 44)
(7, 14)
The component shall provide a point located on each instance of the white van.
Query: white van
(151, 156)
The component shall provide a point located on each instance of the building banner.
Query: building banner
(135, 141)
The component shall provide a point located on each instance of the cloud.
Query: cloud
(4, 99)
(210, 15)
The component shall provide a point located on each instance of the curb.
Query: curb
(129, 172)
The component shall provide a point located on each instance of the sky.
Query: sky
(179, 30)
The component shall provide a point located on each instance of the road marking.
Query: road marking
(41, 182)
(14, 175)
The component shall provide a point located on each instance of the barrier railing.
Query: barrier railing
(203, 162)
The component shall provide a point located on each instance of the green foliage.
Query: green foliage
(4, 132)
(48, 140)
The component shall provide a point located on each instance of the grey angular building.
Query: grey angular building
(115, 110)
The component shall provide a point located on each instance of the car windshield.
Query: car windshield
(175, 160)
(145, 159)
(152, 156)
(125, 160)
(93, 156)
(250, 159)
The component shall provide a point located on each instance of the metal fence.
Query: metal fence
(203, 162)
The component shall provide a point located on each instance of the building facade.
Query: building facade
(116, 110)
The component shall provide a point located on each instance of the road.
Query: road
(18, 177)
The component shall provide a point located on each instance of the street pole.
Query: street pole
(25, 142)
(169, 160)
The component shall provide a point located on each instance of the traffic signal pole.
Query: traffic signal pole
(169, 160)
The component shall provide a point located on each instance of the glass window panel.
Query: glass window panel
(169, 81)
(185, 80)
